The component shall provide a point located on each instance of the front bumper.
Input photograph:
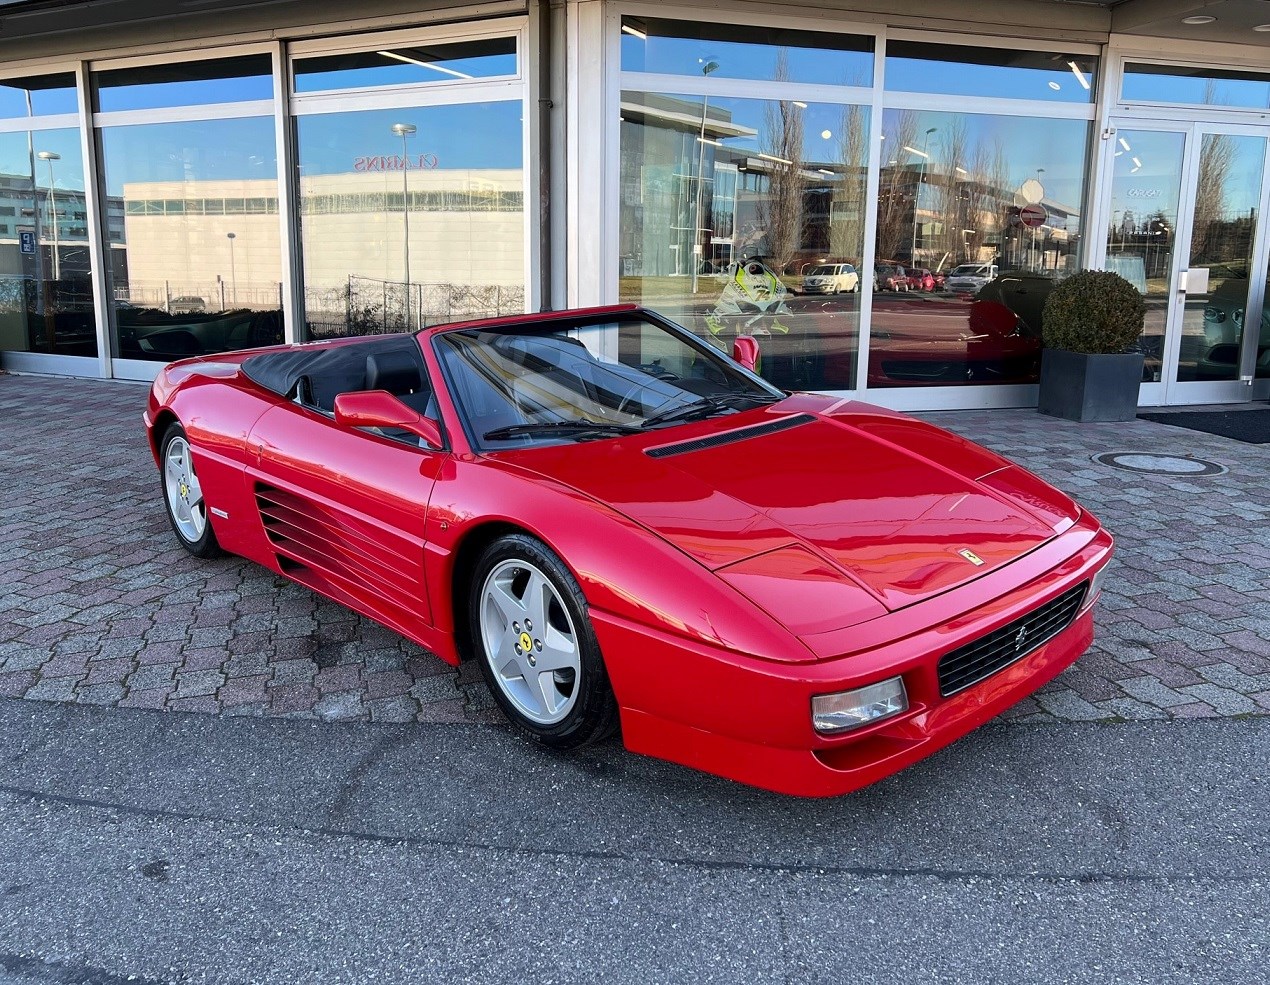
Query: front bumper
(750, 719)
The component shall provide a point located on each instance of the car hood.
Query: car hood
(901, 508)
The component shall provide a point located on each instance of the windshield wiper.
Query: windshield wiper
(713, 404)
(572, 429)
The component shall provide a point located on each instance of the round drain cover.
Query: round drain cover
(1132, 461)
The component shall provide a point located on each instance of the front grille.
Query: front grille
(969, 664)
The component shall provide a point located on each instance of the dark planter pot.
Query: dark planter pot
(1080, 386)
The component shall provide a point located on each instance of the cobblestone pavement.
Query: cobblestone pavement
(99, 605)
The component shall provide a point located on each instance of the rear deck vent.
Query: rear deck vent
(729, 437)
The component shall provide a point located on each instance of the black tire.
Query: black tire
(201, 544)
(590, 710)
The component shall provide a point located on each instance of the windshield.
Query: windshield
(525, 385)
(969, 270)
(822, 271)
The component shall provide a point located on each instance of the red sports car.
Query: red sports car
(625, 527)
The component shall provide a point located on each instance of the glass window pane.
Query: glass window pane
(1146, 194)
(414, 65)
(40, 95)
(189, 281)
(46, 288)
(969, 70)
(196, 83)
(1195, 86)
(725, 207)
(1224, 228)
(738, 51)
(978, 216)
(457, 251)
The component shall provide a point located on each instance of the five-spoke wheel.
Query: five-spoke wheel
(536, 645)
(183, 495)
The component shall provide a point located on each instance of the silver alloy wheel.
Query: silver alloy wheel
(185, 495)
(529, 640)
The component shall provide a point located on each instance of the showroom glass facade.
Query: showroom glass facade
(725, 200)
(188, 152)
(750, 216)
(882, 206)
(411, 185)
(46, 282)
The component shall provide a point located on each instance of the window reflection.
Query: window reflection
(1146, 194)
(40, 95)
(195, 264)
(1195, 86)
(971, 70)
(729, 205)
(742, 51)
(407, 65)
(194, 83)
(978, 216)
(1224, 229)
(46, 293)
(411, 216)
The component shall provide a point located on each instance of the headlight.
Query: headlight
(846, 710)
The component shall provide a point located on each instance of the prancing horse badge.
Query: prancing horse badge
(971, 556)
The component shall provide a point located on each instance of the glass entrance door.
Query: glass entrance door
(1185, 226)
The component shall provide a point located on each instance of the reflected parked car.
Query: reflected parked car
(1216, 353)
(919, 279)
(970, 277)
(831, 278)
(889, 277)
(187, 305)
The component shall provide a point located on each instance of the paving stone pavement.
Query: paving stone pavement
(99, 605)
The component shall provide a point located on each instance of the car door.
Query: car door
(345, 510)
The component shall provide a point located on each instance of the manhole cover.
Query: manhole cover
(1159, 464)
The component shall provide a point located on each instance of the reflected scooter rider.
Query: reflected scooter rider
(753, 297)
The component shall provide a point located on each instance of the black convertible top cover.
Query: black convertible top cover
(331, 370)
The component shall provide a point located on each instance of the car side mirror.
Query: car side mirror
(380, 409)
(745, 351)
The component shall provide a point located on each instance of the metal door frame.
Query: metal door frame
(1169, 390)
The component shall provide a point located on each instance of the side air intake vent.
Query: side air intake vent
(729, 437)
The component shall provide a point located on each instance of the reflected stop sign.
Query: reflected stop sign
(1033, 216)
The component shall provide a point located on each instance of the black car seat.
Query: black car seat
(397, 371)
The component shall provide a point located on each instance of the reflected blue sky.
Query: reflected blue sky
(1156, 84)
(480, 135)
(1028, 145)
(195, 92)
(1058, 84)
(16, 153)
(205, 150)
(16, 102)
(737, 60)
(388, 69)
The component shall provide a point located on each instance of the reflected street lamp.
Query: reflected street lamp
(697, 252)
(924, 154)
(233, 271)
(404, 130)
(51, 156)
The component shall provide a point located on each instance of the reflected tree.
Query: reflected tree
(895, 204)
(846, 229)
(781, 211)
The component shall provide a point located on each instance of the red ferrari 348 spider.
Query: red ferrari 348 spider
(625, 527)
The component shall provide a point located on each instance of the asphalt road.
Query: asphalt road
(142, 847)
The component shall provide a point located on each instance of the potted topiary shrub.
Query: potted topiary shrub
(1090, 327)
